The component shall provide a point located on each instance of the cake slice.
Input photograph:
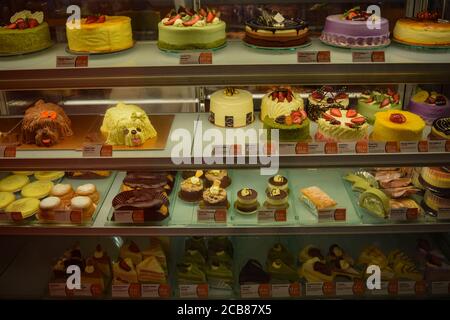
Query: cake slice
(151, 271)
(316, 199)
(124, 272)
(92, 276)
(253, 272)
(190, 273)
(132, 251)
(155, 250)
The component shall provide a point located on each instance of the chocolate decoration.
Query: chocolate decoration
(283, 194)
(278, 184)
(229, 121)
(249, 118)
(251, 196)
(442, 125)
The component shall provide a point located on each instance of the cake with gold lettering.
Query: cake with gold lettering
(231, 108)
(100, 34)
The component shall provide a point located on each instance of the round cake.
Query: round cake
(272, 29)
(356, 29)
(185, 29)
(231, 108)
(191, 189)
(435, 202)
(276, 198)
(282, 109)
(323, 99)
(247, 200)
(372, 102)
(397, 125)
(26, 32)
(436, 177)
(440, 130)
(429, 105)
(337, 125)
(278, 182)
(424, 30)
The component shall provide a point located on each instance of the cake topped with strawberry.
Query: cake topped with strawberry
(339, 125)
(186, 28)
(324, 98)
(26, 32)
(379, 100)
(430, 105)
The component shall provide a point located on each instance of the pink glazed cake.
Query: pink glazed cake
(351, 30)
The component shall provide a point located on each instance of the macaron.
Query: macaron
(13, 183)
(37, 189)
(26, 206)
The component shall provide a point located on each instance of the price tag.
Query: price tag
(288, 148)
(437, 146)
(344, 288)
(320, 289)
(313, 56)
(310, 148)
(368, 56)
(155, 291)
(132, 290)
(443, 214)
(404, 214)
(11, 216)
(383, 291)
(57, 289)
(196, 58)
(408, 146)
(68, 216)
(72, 61)
(286, 290)
(7, 151)
(406, 287)
(377, 147)
(212, 215)
(440, 287)
(129, 216)
(339, 214)
(88, 290)
(272, 215)
(347, 147)
(97, 150)
(193, 291)
(255, 291)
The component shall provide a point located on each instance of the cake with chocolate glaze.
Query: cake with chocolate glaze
(440, 130)
(247, 200)
(191, 189)
(279, 182)
(276, 198)
(325, 98)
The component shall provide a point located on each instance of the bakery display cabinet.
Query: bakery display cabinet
(212, 150)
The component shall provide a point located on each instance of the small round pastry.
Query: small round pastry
(191, 189)
(231, 108)
(47, 207)
(277, 198)
(37, 189)
(278, 182)
(63, 191)
(88, 190)
(247, 200)
(6, 198)
(440, 130)
(26, 206)
(49, 175)
(215, 196)
(24, 173)
(84, 204)
(221, 175)
(13, 183)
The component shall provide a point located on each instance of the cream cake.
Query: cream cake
(231, 108)
(337, 125)
(397, 125)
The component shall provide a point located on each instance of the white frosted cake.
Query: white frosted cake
(231, 108)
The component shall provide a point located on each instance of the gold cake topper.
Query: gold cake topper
(278, 178)
(275, 192)
(246, 192)
(215, 189)
(230, 91)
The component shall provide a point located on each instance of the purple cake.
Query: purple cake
(429, 105)
(353, 30)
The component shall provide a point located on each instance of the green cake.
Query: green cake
(372, 102)
(26, 33)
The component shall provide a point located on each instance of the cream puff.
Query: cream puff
(88, 190)
(63, 191)
(85, 204)
(47, 207)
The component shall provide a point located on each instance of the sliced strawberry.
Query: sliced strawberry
(328, 117)
(390, 92)
(359, 120)
(370, 100)
(351, 113)
(281, 96)
(350, 125)
(210, 17)
(19, 20)
(202, 12)
(289, 96)
(22, 25)
(385, 103)
(192, 21)
(101, 19)
(274, 95)
(11, 26)
(397, 118)
(297, 120)
(336, 112)
(124, 266)
(341, 96)
(296, 114)
(91, 19)
(32, 23)
(396, 98)
(303, 114)
(317, 95)
(172, 20)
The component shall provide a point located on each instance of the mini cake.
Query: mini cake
(26, 206)
(272, 29)
(27, 32)
(280, 252)
(280, 271)
(156, 250)
(440, 130)
(63, 191)
(45, 124)
(49, 175)
(437, 178)
(316, 199)
(215, 196)
(37, 189)
(102, 261)
(88, 190)
(13, 183)
(47, 207)
(253, 272)
(324, 99)
(397, 125)
(429, 105)
(127, 125)
(221, 175)
(356, 29)
(131, 251)
(424, 30)
(6, 198)
(191, 189)
(231, 108)
(100, 34)
(247, 200)
(282, 109)
(124, 272)
(187, 29)
(151, 271)
(276, 198)
(190, 273)
(435, 202)
(85, 205)
(279, 182)
(336, 125)
(372, 102)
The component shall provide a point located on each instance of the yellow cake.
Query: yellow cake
(422, 32)
(436, 177)
(397, 125)
(231, 108)
(100, 34)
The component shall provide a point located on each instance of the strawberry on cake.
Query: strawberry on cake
(337, 125)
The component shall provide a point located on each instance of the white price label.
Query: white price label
(437, 145)
(288, 148)
(193, 291)
(440, 287)
(443, 214)
(403, 214)
(57, 289)
(72, 61)
(409, 146)
(196, 58)
(383, 291)
(313, 56)
(97, 150)
(11, 216)
(314, 289)
(286, 290)
(129, 216)
(7, 151)
(377, 147)
(368, 56)
(310, 148)
(272, 215)
(406, 287)
(255, 291)
(155, 291)
(68, 216)
(325, 215)
(344, 288)
(347, 147)
(212, 215)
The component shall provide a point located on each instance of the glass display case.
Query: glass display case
(224, 149)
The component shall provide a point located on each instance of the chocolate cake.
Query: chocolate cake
(149, 180)
(253, 272)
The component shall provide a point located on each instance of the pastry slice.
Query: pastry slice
(131, 250)
(102, 262)
(151, 271)
(190, 273)
(155, 250)
(342, 268)
(124, 272)
(371, 255)
(219, 275)
(253, 272)
(403, 266)
(314, 270)
(195, 257)
(92, 275)
(316, 199)
(278, 251)
(279, 270)
(310, 252)
(13, 183)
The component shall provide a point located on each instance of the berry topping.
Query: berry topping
(91, 19)
(192, 21)
(396, 98)
(32, 23)
(397, 118)
(202, 12)
(210, 17)
(317, 95)
(336, 112)
(427, 15)
(385, 103)
(328, 117)
(171, 21)
(281, 96)
(101, 19)
(303, 114)
(341, 96)
(289, 97)
(351, 113)
(297, 120)
(335, 122)
(359, 120)
(22, 25)
(124, 265)
(350, 125)
(11, 26)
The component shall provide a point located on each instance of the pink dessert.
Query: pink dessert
(356, 29)
(430, 106)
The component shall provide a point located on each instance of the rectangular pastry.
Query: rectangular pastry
(316, 199)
